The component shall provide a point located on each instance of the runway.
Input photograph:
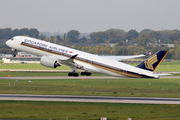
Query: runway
(59, 77)
(68, 98)
(66, 77)
(106, 99)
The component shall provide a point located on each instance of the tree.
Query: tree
(6, 33)
(142, 39)
(147, 31)
(51, 39)
(16, 32)
(83, 40)
(33, 33)
(120, 37)
(42, 36)
(119, 31)
(5, 50)
(154, 34)
(24, 31)
(99, 40)
(176, 43)
(73, 35)
(174, 35)
(132, 34)
(164, 35)
(64, 37)
(111, 35)
(99, 35)
(59, 39)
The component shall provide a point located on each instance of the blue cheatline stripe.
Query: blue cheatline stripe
(96, 64)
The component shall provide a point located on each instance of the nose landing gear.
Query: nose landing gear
(14, 52)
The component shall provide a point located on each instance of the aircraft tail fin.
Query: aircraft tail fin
(152, 62)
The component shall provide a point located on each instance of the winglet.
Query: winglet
(149, 52)
(74, 56)
(152, 62)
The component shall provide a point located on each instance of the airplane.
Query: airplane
(54, 55)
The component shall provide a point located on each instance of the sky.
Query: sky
(90, 15)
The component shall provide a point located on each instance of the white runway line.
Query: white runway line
(98, 99)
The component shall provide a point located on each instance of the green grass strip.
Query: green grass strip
(164, 66)
(38, 74)
(167, 88)
(86, 111)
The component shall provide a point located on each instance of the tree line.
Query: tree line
(7, 33)
(117, 35)
(137, 42)
(125, 43)
(108, 36)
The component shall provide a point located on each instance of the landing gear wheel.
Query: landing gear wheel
(73, 74)
(14, 55)
(14, 52)
(86, 73)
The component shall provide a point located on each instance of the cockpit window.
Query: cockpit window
(11, 38)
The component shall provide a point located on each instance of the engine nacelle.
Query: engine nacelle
(49, 62)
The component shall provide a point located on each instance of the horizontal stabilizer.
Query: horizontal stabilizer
(163, 74)
(152, 62)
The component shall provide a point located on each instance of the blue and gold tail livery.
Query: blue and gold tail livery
(152, 62)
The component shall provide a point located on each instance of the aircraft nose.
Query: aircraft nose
(7, 42)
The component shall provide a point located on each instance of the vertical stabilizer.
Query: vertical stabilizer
(152, 62)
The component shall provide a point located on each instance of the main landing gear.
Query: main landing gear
(76, 74)
(86, 73)
(73, 74)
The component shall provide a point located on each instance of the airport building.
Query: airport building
(21, 57)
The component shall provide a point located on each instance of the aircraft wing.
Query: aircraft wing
(68, 61)
(55, 61)
(119, 58)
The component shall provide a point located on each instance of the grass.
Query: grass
(164, 66)
(94, 111)
(169, 66)
(31, 66)
(38, 74)
(167, 88)
(86, 111)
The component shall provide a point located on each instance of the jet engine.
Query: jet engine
(49, 62)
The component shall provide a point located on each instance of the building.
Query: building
(24, 54)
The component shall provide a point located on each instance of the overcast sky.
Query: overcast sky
(90, 15)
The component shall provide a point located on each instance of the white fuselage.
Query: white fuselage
(90, 62)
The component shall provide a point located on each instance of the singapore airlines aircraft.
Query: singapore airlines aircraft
(54, 55)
